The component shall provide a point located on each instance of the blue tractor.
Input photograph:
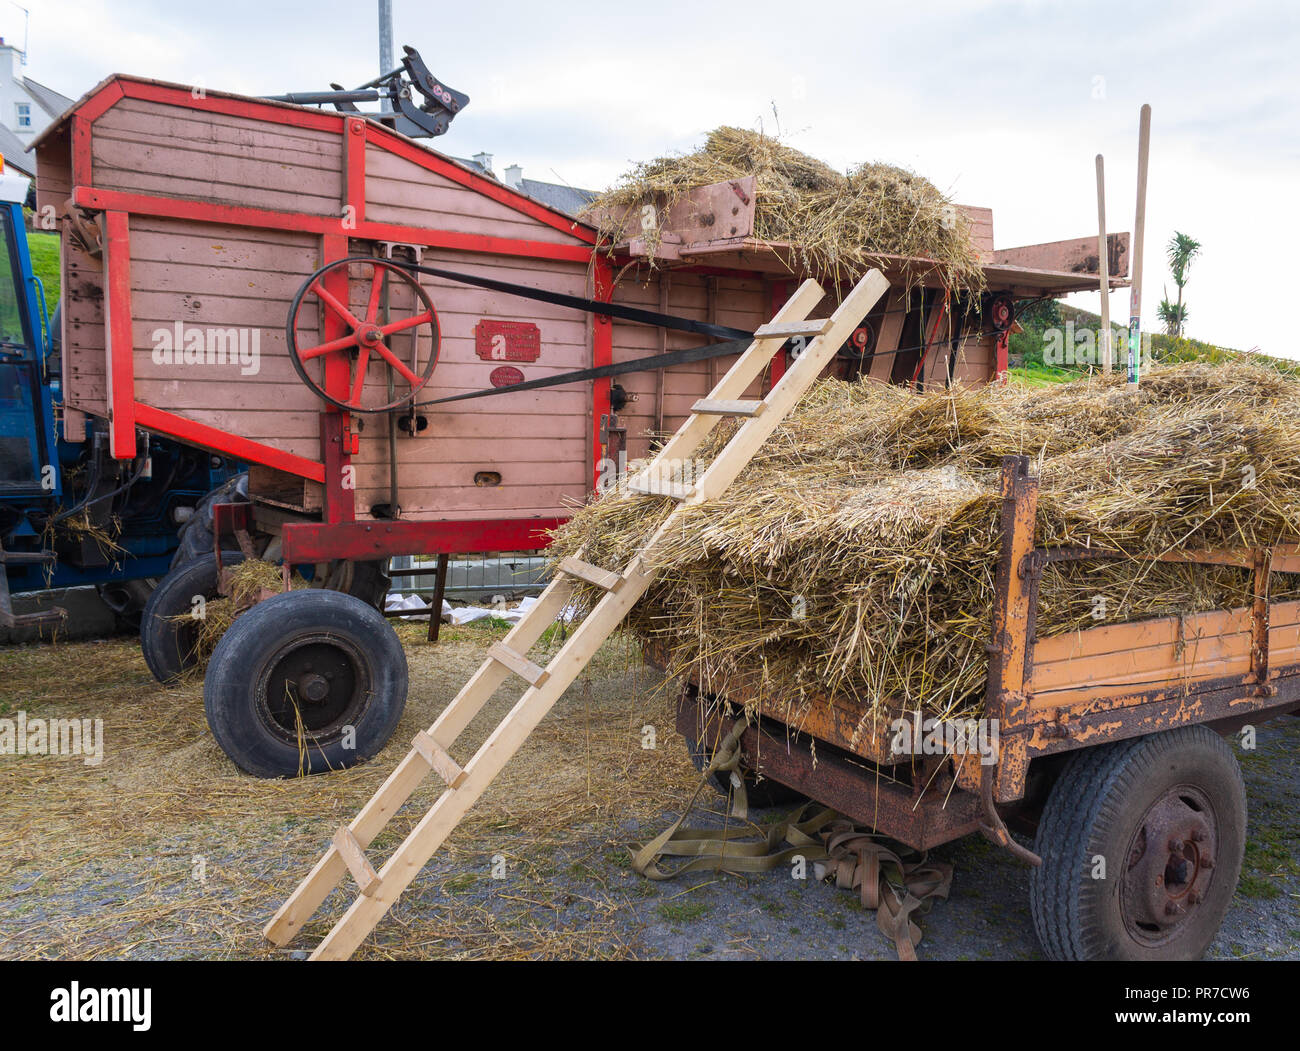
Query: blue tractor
(70, 515)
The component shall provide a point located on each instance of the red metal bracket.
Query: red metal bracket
(364, 541)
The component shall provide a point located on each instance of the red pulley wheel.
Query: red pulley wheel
(337, 368)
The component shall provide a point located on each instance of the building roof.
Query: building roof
(47, 98)
(15, 153)
(567, 199)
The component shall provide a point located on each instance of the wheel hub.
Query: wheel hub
(1170, 863)
(314, 688)
(315, 685)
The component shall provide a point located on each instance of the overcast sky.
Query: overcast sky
(1001, 104)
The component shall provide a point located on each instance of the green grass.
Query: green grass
(1041, 375)
(44, 250)
(682, 911)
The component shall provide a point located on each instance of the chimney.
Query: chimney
(484, 161)
(515, 177)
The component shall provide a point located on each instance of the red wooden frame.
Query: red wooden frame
(217, 440)
(119, 364)
(364, 541)
(339, 535)
(602, 353)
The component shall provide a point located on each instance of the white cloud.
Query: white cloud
(995, 101)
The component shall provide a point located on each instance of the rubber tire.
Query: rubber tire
(195, 534)
(761, 794)
(128, 600)
(1094, 808)
(368, 581)
(229, 688)
(167, 647)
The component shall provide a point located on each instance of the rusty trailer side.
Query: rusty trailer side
(1052, 696)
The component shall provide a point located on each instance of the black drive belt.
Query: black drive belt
(659, 361)
(591, 306)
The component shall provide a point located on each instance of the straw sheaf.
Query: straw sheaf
(856, 553)
(838, 224)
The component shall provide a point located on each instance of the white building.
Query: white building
(26, 107)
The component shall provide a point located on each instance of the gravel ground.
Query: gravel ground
(167, 852)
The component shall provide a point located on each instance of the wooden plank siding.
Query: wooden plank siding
(174, 166)
(1121, 659)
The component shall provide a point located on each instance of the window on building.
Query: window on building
(24, 114)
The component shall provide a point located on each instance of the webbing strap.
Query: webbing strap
(892, 882)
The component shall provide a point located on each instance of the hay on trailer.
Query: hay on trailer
(838, 224)
(856, 553)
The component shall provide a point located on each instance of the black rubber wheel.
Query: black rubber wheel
(195, 533)
(1166, 813)
(760, 792)
(305, 682)
(128, 599)
(168, 629)
(368, 581)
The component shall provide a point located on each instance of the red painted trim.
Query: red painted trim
(105, 100)
(1000, 357)
(336, 451)
(386, 139)
(81, 155)
(363, 541)
(217, 440)
(252, 109)
(235, 215)
(319, 120)
(602, 353)
(354, 168)
(119, 365)
(779, 293)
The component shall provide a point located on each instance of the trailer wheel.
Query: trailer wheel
(168, 630)
(1166, 816)
(305, 682)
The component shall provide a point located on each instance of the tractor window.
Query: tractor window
(11, 293)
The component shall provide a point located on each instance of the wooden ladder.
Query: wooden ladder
(430, 750)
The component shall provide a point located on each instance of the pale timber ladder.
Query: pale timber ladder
(430, 749)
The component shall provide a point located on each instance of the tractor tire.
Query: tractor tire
(305, 682)
(128, 600)
(368, 581)
(196, 533)
(168, 632)
(1142, 843)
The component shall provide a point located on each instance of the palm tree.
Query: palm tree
(1172, 315)
(1181, 251)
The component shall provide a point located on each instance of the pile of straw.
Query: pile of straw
(857, 551)
(248, 579)
(838, 225)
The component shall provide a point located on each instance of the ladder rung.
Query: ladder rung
(716, 407)
(789, 329)
(443, 765)
(518, 663)
(355, 859)
(602, 578)
(660, 487)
